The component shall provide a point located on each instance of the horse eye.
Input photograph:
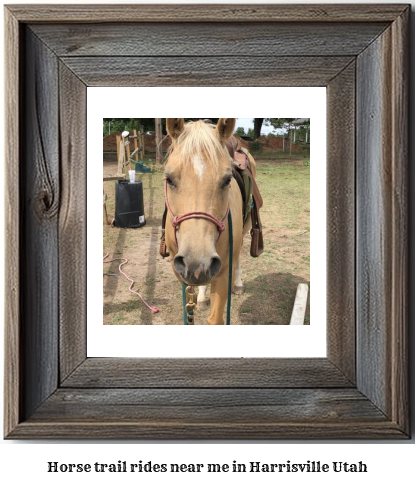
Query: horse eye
(226, 182)
(169, 181)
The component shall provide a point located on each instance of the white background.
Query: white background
(202, 341)
(390, 463)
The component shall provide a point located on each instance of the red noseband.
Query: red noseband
(178, 219)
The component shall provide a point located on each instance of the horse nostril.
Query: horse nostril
(179, 265)
(197, 272)
(215, 266)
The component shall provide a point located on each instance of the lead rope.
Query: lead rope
(228, 311)
(188, 307)
(125, 261)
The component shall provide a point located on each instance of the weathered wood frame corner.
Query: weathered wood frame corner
(360, 53)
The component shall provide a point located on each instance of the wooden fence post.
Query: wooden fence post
(159, 148)
(135, 144)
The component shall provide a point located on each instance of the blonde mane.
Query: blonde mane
(200, 138)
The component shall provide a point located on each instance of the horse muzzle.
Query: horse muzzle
(197, 272)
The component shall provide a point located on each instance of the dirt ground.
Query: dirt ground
(270, 280)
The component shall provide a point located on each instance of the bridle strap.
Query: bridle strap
(178, 219)
(199, 215)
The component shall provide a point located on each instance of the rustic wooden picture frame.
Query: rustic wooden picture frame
(360, 53)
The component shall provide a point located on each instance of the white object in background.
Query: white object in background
(131, 172)
(125, 133)
(300, 304)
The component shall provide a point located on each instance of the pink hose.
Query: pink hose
(125, 261)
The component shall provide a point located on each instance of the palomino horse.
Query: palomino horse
(200, 191)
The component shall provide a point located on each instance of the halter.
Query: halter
(178, 219)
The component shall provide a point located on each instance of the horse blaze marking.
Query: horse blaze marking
(199, 166)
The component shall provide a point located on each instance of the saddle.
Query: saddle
(251, 198)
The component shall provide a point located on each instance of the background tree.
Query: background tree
(118, 125)
(281, 123)
(257, 127)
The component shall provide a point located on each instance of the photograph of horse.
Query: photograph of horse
(220, 229)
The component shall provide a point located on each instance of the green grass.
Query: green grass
(282, 156)
(286, 218)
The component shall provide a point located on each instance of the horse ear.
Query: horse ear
(174, 127)
(225, 128)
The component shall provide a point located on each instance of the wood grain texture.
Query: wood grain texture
(341, 236)
(12, 383)
(250, 414)
(72, 222)
(400, 232)
(201, 398)
(206, 373)
(39, 258)
(202, 39)
(382, 223)
(188, 430)
(209, 405)
(206, 71)
(206, 13)
(373, 223)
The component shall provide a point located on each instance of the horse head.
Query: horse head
(198, 175)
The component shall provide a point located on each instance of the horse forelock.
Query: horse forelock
(199, 143)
